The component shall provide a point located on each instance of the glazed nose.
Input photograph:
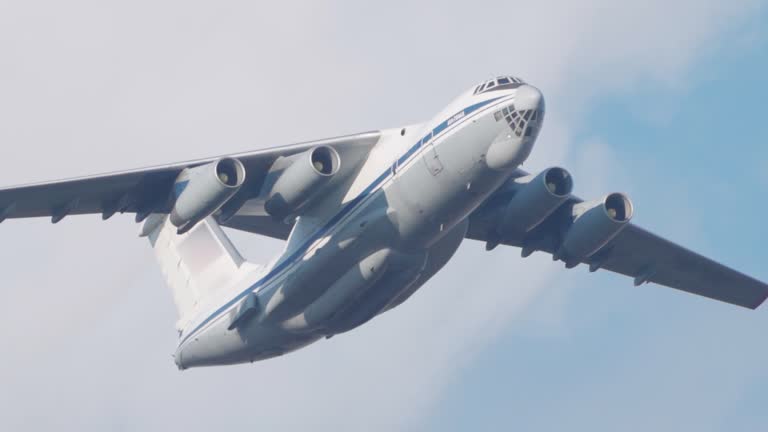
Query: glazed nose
(526, 115)
(529, 104)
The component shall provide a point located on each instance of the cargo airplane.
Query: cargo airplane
(367, 220)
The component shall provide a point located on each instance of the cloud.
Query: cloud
(86, 320)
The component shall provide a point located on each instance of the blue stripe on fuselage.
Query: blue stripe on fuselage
(351, 205)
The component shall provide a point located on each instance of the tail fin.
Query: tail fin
(197, 265)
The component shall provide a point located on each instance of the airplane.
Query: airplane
(367, 220)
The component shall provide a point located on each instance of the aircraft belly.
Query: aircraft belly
(218, 345)
(326, 264)
(438, 256)
(403, 270)
(353, 284)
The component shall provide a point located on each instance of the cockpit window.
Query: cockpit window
(499, 83)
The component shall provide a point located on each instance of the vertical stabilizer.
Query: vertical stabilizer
(198, 265)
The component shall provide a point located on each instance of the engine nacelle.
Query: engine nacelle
(299, 183)
(537, 197)
(596, 223)
(202, 190)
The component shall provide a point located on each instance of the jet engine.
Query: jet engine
(299, 183)
(537, 197)
(202, 190)
(596, 224)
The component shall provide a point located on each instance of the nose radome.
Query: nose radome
(528, 97)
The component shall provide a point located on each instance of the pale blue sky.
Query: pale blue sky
(663, 100)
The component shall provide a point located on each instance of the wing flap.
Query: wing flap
(97, 194)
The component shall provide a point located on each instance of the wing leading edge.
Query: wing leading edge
(633, 252)
(145, 190)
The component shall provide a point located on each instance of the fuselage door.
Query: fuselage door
(430, 155)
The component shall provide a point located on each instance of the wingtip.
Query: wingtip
(759, 303)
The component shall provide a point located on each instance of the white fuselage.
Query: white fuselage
(401, 220)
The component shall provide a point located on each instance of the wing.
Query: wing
(633, 252)
(148, 189)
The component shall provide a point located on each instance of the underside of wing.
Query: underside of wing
(647, 257)
(538, 213)
(155, 189)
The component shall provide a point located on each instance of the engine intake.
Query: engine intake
(537, 197)
(596, 224)
(299, 183)
(202, 190)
